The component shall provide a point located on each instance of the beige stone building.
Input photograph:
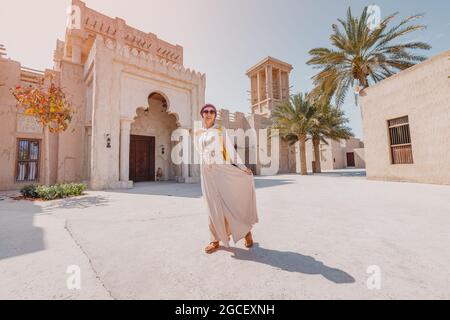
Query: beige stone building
(130, 90)
(269, 85)
(406, 122)
(335, 155)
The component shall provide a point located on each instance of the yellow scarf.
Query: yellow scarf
(226, 157)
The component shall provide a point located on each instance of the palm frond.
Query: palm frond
(367, 56)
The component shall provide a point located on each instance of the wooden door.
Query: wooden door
(142, 158)
(350, 159)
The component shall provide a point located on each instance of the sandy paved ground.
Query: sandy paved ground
(316, 238)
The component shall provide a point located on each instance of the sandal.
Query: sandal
(248, 240)
(213, 246)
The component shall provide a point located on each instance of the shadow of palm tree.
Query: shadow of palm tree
(291, 262)
(79, 202)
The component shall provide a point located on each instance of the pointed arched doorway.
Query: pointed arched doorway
(150, 143)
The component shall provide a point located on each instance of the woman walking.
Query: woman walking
(227, 185)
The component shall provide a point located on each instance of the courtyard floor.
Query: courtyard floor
(316, 239)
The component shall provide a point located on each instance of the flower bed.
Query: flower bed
(58, 191)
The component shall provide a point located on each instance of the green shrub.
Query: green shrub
(29, 191)
(47, 192)
(57, 191)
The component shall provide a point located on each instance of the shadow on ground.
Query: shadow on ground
(291, 262)
(164, 188)
(268, 183)
(18, 235)
(343, 173)
(173, 189)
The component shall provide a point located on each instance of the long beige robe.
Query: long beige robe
(229, 191)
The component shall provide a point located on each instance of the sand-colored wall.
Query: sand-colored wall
(360, 160)
(423, 94)
(9, 77)
(71, 142)
(334, 154)
(14, 125)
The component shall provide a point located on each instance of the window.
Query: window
(27, 160)
(400, 139)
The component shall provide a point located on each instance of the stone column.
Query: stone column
(77, 43)
(185, 172)
(280, 83)
(105, 169)
(269, 82)
(184, 165)
(258, 86)
(125, 127)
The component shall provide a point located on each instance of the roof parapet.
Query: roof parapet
(92, 23)
(270, 61)
(2, 51)
(142, 58)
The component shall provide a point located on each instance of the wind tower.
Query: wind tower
(269, 84)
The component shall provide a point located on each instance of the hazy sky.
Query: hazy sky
(221, 38)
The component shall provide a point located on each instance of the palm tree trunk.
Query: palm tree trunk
(316, 148)
(303, 168)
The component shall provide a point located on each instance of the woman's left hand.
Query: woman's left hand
(248, 171)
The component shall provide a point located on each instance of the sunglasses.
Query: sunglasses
(209, 112)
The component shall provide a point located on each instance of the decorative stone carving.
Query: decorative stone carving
(126, 51)
(153, 62)
(119, 48)
(28, 124)
(110, 44)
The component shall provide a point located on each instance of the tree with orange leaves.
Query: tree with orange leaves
(49, 106)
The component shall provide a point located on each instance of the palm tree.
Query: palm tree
(361, 56)
(294, 118)
(331, 124)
